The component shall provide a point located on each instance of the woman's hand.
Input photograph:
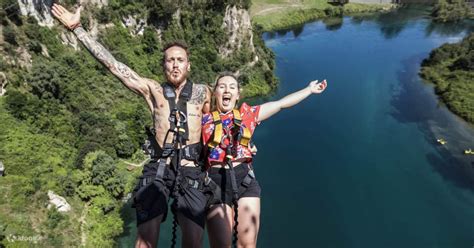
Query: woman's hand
(70, 20)
(316, 87)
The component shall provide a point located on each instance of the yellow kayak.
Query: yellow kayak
(441, 141)
(469, 152)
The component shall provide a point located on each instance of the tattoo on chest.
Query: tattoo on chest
(199, 95)
(194, 115)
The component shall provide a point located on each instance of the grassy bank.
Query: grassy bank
(276, 14)
(451, 68)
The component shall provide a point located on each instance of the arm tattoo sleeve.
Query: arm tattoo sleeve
(119, 69)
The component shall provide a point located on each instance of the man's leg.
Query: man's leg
(249, 221)
(148, 233)
(219, 225)
(191, 232)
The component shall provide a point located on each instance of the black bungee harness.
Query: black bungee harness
(174, 150)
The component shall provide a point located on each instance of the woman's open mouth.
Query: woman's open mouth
(226, 100)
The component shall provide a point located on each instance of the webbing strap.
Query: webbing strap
(244, 135)
(217, 129)
(179, 108)
(233, 183)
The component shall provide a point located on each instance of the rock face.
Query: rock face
(134, 24)
(2, 168)
(3, 82)
(98, 3)
(58, 202)
(39, 9)
(23, 58)
(68, 38)
(238, 26)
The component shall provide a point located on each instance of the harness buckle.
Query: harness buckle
(251, 174)
(207, 180)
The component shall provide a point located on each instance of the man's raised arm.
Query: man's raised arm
(128, 77)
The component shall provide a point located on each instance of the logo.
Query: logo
(21, 238)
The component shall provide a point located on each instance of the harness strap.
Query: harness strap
(179, 109)
(243, 133)
(217, 129)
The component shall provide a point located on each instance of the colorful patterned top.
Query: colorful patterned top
(249, 115)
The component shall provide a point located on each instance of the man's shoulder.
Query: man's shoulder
(199, 95)
(153, 85)
(200, 87)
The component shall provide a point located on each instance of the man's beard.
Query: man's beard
(179, 80)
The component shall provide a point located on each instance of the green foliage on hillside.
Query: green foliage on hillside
(451, 68)
(451, 11)
(67, 122)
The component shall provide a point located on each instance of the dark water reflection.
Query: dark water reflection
(391, 24)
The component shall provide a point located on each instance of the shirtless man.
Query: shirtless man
(177, 135)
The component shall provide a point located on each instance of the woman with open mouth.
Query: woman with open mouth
(226, 133)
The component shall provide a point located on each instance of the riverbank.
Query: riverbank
(451, 69)
(277, 16)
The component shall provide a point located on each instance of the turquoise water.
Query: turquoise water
(359, 166)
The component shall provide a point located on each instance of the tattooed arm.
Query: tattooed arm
(128, 77)
(201, 96)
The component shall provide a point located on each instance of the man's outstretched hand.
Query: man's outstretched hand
(318, 87)
(70, 20)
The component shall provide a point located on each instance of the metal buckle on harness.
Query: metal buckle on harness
(251, 174)
(207, 180)
(191, 183)
(183, 118)
(248, 178)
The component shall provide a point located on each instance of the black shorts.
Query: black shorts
(150, 197)
(221, 177)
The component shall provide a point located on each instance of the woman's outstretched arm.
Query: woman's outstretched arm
(270, 108)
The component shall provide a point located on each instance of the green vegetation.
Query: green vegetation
(276, 15)
(451, 68)
(68, 124)
(451, 11)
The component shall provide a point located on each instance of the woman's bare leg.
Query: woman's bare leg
(249, 221)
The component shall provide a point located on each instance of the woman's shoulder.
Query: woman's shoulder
(206, 119)
(246, 108)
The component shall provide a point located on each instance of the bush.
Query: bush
(9, 35)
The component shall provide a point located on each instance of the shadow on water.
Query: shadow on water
(410, 102)
(449, 29)
(451, 170)
(391, 23)
(298, 30)
(413, 102)
(394, 22)
(333, 24)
